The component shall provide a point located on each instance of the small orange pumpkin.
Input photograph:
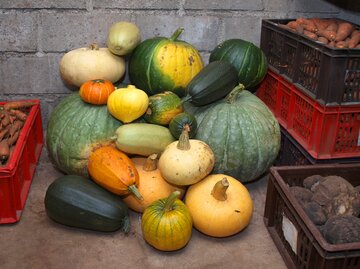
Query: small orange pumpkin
(114, 171)
(96, 91)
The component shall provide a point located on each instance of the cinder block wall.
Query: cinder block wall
(35, 34)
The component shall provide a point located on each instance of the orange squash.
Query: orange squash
(152, 185)
(114, 171)
(96, 91)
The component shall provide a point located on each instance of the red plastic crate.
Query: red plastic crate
(326, 132)
(16, 176)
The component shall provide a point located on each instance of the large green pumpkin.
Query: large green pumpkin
(242, 132)
(248, 59)
(75, 128)
(164, 64)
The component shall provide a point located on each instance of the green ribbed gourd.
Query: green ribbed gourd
(242, 132)
(74, 129)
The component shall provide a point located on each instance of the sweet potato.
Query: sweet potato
(341, 45)
(321, 24)
(354, 39)
(330, 35)
(323, 40)
(292, 24)
(299, 29)
(344, 30)
(332, 26)
(308, 24)
(310, 35)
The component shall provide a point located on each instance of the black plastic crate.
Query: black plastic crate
(329, 75)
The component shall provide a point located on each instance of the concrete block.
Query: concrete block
(224, 5)
(140, 4)
(309, 6)
(243, 27)
(30, 74)
(18, 31)
(80, 4)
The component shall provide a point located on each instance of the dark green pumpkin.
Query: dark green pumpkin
(74, 129)
(180, 121)
(212, 83)
(79, 202)
(248, 59)
(242, 132)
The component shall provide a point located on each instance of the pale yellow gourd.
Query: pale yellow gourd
(220, 205)
(127, 104)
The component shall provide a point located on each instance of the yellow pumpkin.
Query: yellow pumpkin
(80, 65)
(152, 185)
(220, 205)
(166, 224)
(127, 104)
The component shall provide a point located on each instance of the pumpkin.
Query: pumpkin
(181, 121)
(127, 104)
(123, 37)
(80, 65)
(158, 64)
(96, 91)
(186, 161)
(242, 132)
(152, 185)
(79, 202)
(163, 107)
(74, 130)
(219, 205)
(166, 224)
(114, 171)
(248, 59)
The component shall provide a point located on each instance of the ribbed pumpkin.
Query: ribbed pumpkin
(248, 59)
(74, 129)
(242, 132)
(96, 91)
(160, 64)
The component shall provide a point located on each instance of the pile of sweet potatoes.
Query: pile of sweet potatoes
(332, 32)
(12, 118)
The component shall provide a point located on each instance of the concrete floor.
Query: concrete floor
(37, 242)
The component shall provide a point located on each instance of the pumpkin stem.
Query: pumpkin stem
(231, 97)
(94, 46)
(219, 190)
(184, 143)
(150, 164)
(135, 191)
(176, 34)
(170, 201)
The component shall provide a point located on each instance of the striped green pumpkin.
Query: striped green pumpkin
(242, 132)
(74, 129)
(248, 59)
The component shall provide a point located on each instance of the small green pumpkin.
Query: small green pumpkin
(162, 108)
(181, 121)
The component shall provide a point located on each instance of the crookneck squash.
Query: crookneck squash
(242, 132)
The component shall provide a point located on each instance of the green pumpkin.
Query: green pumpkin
(181, 121)
(242, 132)
(74, 129)
(248, 59)
(164, 64)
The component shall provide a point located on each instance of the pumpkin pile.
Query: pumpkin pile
(175, 145)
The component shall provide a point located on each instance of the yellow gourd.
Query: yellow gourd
(220, 205)
(127, 104)
(152, 185)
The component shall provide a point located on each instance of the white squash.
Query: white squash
(80, 65)
(123, 37)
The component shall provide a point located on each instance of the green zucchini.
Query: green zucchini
(212, 83)
(143, 138)
(79, 202)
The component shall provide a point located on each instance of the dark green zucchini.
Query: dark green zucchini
(212, 83)
(79, 202)
(178, 123)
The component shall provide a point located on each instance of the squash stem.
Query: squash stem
(170, 201)
(176, 34)
(184, 143)
(94, 46)
(231, 97)
(150, 164)
(135, 191)
(219, 190)
(185, 99)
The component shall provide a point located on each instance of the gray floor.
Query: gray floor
(38, 242)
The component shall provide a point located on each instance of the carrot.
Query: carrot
(16, 126)
(354, 39)
(6, 119)
(12, 139)
(19, 114)
(344, 30)
(4, 151)
(4, 132)
(323, 40)
(330, 35)
(310, 34)
(18, 104)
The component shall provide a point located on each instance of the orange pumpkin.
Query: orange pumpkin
(96, 91)
(114, 171)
